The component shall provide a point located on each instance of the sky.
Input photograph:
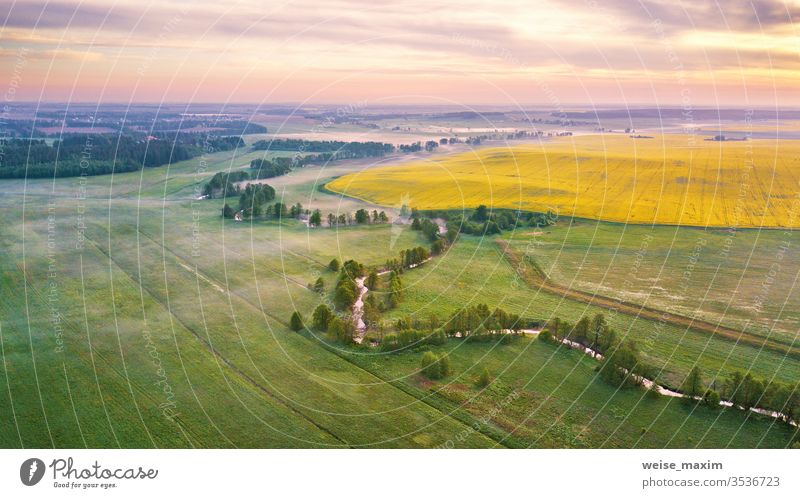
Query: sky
(467, 52)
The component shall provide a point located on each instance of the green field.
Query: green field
(167, 327)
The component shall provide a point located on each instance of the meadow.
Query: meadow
(155, 324)
(662, 180)
(743, 279)
(546, 396)
(133, 315)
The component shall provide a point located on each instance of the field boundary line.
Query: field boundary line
(533, 279)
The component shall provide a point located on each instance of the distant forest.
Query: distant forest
(309, 152)
(101, 154)
(340, 150)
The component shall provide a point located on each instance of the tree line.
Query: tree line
(101, 154)
(486, 221)
(623, 366)
(338, 149)
(478, 323)
(360, 217)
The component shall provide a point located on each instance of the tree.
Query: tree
(580, 333)
(437, 247)
(430, 365)
(395, 290)
(607, 340)
(331, 219)
(622, 366)
(372, 280)
(315, 219)
(343, 297)
(279, 210)
(484, 379)
(546, 336)
(711, 399)
(296, 210)
(382, 217)
(362, 216)
(444, 365)
(693, 383)
(319, 285)
(227, 211)
(322, 317)
(334, 265)
(296, 322)
(452, 234)
(491, 228)
(597, 328)
(336, 329)
(481, 214)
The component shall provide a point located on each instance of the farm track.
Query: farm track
(536, 279)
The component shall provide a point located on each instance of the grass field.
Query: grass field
(163, 306)
(550, 397)
(132, 315)
(667, 179)
(746, 279)
(474, 271)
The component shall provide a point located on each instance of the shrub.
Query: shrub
(711, 399)
(444, 366)
(389, 343)
(296, 322)
(437, 338)
(334, 265)
(484, 379)
(546, 336)
(430, 365)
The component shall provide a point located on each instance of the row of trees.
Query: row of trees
(223, 184)
(623, 365)
(252, 201)
(337, 149)
(593, 333)
(482, 221)
(478, 323)
(745, 391)
(322, 151)
(270, 168)
(362, 217)
(101, 154)
(429, 228)
(408, 258)
(410, 339)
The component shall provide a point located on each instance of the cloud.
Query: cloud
(681, 15)
(464, 39)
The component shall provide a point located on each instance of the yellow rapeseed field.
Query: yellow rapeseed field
(667, 179)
